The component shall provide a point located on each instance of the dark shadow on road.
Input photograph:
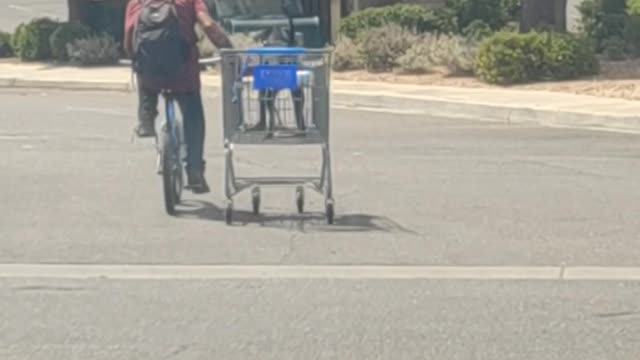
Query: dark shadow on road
(307, 222)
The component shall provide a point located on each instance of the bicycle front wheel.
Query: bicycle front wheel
(172, 177)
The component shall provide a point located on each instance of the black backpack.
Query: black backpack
(160, 49)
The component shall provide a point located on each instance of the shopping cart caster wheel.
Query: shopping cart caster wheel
(228, 213)
(300, 199)
(330, 211)
(255, 200)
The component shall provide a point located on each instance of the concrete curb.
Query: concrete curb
(433, 106)
(65, 85)
(508, 114)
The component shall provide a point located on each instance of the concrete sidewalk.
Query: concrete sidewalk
(502, 105)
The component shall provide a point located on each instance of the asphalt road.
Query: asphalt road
(410, 190)
(14, 12)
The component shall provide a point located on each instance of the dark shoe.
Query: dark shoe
(145, 130)
(197, 183)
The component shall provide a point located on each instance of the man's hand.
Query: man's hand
(213, 31)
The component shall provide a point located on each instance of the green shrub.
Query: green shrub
(33, 40)
(382, 47)
(5, 45)
(496, 13)
(347, 55)
(632, 34)
(614, 49)
(590, 17)
(413, 17)
(508, 58)
(95, 50)
(15, 38)
(633, 7)
(477, 30)
(511, 9)
(511, 26)
(567, 57)
(603, 19)
(614, 6)
(65, 34)
(446, 21)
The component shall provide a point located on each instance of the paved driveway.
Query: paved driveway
(527, 205)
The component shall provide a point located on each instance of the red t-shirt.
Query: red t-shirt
(189, 78)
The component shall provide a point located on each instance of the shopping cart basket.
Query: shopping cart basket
(276, 96)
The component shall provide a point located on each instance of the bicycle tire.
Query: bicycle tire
(168, 173)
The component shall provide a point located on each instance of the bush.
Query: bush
(567, 57)
(590, 17)
(460, 55)
(496, 13)
(239, 41)
(614, 49)
(418, 59)
(15, 38)
(33, 40)
(415, 18)
(603, 19)
(477, 30)
(95, 50)
(456, 53)
(347, 55)
(632, 34)
(5, 45)
(614, 6)
(508, 58)
(382, 47)
(65, 34)
(633, 7)
(511, 26)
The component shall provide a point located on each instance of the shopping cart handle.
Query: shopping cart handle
(210, 61)
(206, 61)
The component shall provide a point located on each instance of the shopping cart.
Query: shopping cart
(276, 96)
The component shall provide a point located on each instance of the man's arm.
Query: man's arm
(128, 29)
(211, 28)
(128, 42)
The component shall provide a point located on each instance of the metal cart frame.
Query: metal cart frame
(252, 82)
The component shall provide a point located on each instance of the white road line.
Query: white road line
(140, 272)
(347, 272)
(98, 111)
(602, 273)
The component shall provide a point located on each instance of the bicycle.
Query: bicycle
(171, 147)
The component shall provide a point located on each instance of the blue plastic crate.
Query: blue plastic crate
(275, 77)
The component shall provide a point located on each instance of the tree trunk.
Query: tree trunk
(75, 10)
(546, 14)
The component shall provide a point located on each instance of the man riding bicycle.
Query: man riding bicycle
(161, 40)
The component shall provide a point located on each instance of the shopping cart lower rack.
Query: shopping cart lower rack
(276, 96)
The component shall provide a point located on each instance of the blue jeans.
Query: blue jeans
(193, 121)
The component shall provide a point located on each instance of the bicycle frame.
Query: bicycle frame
(170, 124)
